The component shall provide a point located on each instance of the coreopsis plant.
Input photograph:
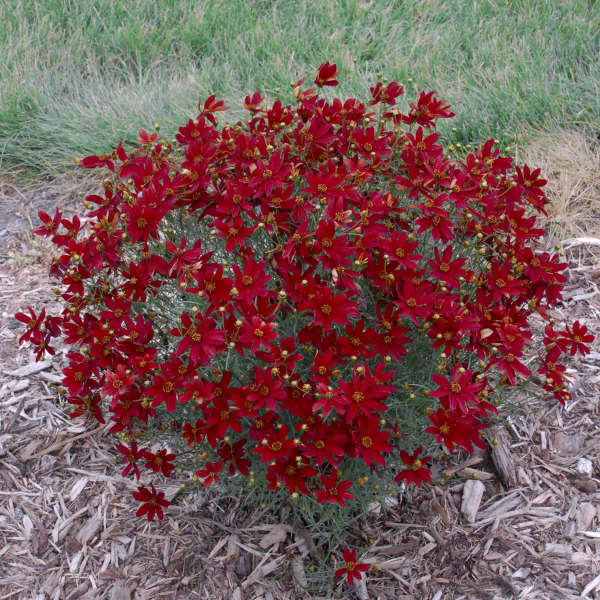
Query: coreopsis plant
(304, 300)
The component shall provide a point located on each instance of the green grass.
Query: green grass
(77, 77)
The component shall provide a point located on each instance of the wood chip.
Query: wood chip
(30, 369)
(585, 516)
(472, 495)
(568, 444)
(591, 586)
(78, 488)
(360, 586)
(470, 473)
(502, 457)
(442, 512)
(558, 549)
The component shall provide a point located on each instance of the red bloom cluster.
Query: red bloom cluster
(261, 285)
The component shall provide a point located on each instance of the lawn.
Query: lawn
(78, 77)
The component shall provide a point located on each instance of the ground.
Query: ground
(67, 525)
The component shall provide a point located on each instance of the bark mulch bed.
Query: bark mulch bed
(68, 530)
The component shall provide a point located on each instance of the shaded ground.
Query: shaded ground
(67, 525)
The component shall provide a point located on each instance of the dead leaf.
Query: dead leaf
(298, 572)
(27, 452)
(306, 537)
(585, 485)
(89, 530)
(277, 535)
(39, 541)
(440, 510)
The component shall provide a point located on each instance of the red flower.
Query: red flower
(234, 455)
(329, 308)
(49, 225)
(256, 332)
(291, 472)
(130, 457)
(335, 251)
(92, 162)
(266, 391)
(578, 338)
(326, 75)
(161, 462)
(426, 110)
(162, 391)
(210, 473)
(389, 95)
(33, 323)
(116, 382)
(153, 502)
(334, 491)
(276, 445)
(234, 231)
(502, 283)
(459, 390)
(370, 442)
(144, 218)
(351, 569)
(201, 337)
(324, 443)
(363, 395)
(417, 473)
(253, 103)
(508, 362)
(447, 270)
(454, 428)
(211, 105)
(251, 282)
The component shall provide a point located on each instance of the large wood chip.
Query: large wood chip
(590, 587)
(568, 444)
(233, 547)
(502, 457)
(558, 549)
(472, 495)
(442, 512)
(360, 585)
(78, 488)
(585, 516)
(30, 369)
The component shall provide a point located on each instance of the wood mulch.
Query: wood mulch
(68, 530)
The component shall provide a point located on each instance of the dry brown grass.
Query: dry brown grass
(570, 162)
